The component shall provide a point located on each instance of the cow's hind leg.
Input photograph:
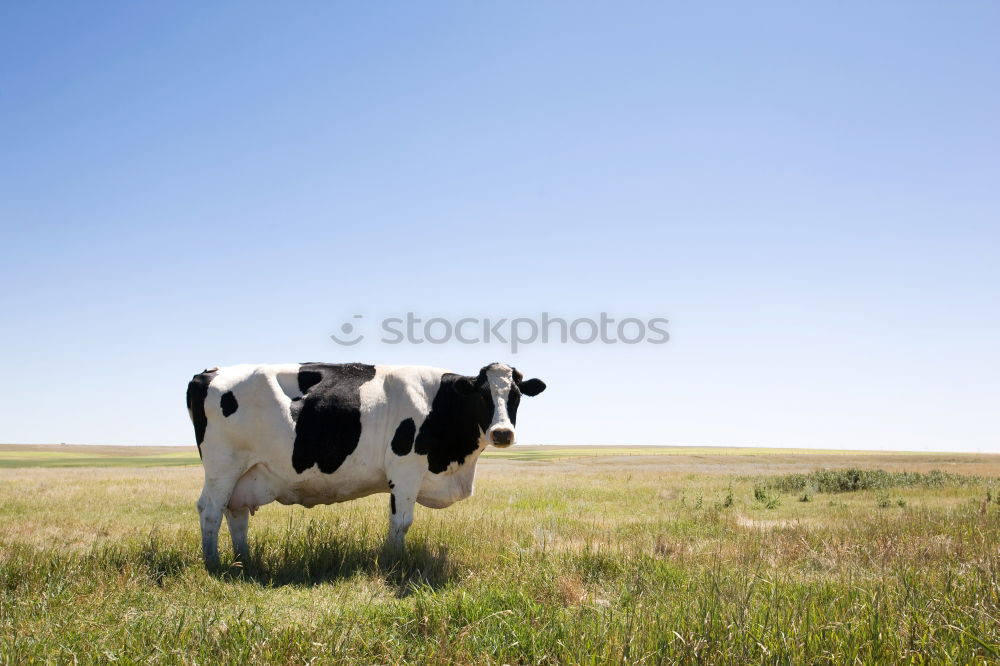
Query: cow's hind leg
(404, 485)
(400, 519)
(211, 518)
(211, 506)
(239, 522)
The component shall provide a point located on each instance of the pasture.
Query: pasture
(563, 555)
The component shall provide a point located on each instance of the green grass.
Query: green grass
(15, 462)
(552, 561)
(15, 457)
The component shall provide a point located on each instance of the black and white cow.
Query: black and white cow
(319, 433)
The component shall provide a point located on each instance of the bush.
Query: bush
(767, 499)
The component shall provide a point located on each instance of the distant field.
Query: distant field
(14, 456)
(39, 455)
(563, 555)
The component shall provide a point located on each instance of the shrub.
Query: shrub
(767, 499)
(853, 479)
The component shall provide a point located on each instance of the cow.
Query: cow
(320, 433)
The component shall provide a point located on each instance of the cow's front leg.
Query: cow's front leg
(402, 497)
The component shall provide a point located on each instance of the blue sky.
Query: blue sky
(808, 191)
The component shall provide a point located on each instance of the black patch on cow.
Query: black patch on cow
(228, 404)
(197, 391)
(392, 503)
(328, 417)
(451, 430)
(309, 377)
(391, 485)
(402, 441)
(513, 400)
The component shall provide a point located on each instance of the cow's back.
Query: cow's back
(304, 433)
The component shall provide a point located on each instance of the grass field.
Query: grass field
(563, 555)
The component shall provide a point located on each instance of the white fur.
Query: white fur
(500, 379)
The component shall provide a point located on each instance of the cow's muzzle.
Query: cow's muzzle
(502, 437)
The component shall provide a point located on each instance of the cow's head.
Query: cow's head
(499, 388)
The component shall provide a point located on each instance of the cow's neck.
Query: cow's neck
(452, 435)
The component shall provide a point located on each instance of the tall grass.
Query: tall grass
(537, 568)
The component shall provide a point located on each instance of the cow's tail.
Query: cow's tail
(197, 391)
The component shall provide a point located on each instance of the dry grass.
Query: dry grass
(655, 558)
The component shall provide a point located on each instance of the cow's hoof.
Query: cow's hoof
(393, 551)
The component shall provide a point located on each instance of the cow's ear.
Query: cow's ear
(532, 387)
(465, 385)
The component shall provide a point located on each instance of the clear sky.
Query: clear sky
(810, 192)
